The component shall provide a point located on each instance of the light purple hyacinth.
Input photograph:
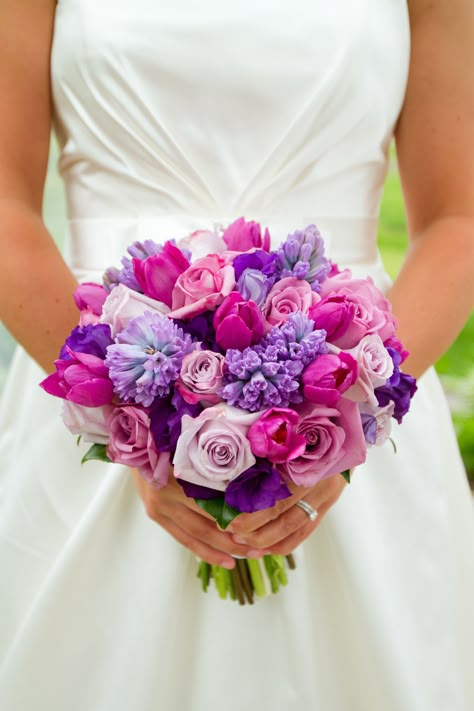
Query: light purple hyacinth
(138, 250)
(147, 358)
(296, 339)
(302, 256)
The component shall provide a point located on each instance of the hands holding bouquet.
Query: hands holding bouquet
(259, 375)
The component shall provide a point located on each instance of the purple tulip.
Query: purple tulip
(157, 274)
(90, 296)
(83, 379)
(241, 236)
(328, 376)
(335, 314)
(238, 323)
(274, 436)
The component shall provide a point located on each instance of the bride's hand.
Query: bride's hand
(183, 519)
(282, 528)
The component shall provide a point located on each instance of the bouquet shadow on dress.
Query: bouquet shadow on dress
(237, 370)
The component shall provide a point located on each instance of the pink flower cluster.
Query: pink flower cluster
(318, 344)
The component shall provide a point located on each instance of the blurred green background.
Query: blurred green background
(456, 367)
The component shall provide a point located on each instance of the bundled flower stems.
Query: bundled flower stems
(246, 369)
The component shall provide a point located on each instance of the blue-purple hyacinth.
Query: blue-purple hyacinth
(147, 358)
(126, 276)
(302, 256)
(296, 340)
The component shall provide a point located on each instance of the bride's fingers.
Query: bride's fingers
(246, 523)
(198, 547)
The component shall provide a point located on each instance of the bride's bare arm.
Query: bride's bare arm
(433, 295)
(36, 286)
(434, 292)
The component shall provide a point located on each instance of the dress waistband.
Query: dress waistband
(93, 244)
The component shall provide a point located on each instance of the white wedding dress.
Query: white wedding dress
(173, 116)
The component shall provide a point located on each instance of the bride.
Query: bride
(176, 116)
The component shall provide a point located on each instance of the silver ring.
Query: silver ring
(308, 509)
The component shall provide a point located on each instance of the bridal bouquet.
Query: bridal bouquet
(235, 369)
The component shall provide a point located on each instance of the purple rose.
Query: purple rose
(241, 236)
(238, 323)
(89, 422)
(131, 443)
(259, 487)
(92, 339)
(157, 275)
(287, 296)
(201, 378)
(202, 287)
(334, 442)
(213, 448)
(274, 435)
(82, 378)
(400, 394)
(328, 376)
(124, 304)
(335, 313)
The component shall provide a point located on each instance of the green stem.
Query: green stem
(204, 572)
(221, 580)
(256, 577)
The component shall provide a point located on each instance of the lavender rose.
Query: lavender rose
(201, 377)
(238, 323)
(334, 442)
(213, 448)
(124, 304)
(89, 422)
(202, 242)
(288, 296)
(375, 367)
(131, 443)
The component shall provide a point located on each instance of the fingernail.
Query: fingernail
(255, 554)
(238, 539)
(229, 564)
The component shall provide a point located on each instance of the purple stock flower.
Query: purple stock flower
(201, 329)
(369, 425)
(257, 488)
(397, 360)
(126, 275)
(255, 275)
(302, 256)
(400, 394)
(146, 358)
(165, 419)
(92, 339)
(196, 491)
(264, 262)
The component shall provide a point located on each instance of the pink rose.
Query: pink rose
(274, 435)
(203, 242)
(328, 376)
(89, 298)
(241, 236)
(372, 310)
(213, 448)
(286, 297)
(238, 323)
(202, 287)
(89, 422)
(375, 367)
(157, 274)
(123, 304)
(201, 377)
(334, 442)
(82, 378)
(131, 443)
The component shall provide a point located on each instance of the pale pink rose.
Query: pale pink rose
(373, 312)
(375, 366)
(286, 297)
(201, 377)
(213, 448)
(203, 242)
(202, 287)
(382, 418)
(89, 422)
(123, 304)
(131, 443)
(334, 442)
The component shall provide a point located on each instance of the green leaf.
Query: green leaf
(97, 451)
(219, 510)
(347, 475)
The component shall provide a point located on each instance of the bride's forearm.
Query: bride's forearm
(36, 286)
(434, 292)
